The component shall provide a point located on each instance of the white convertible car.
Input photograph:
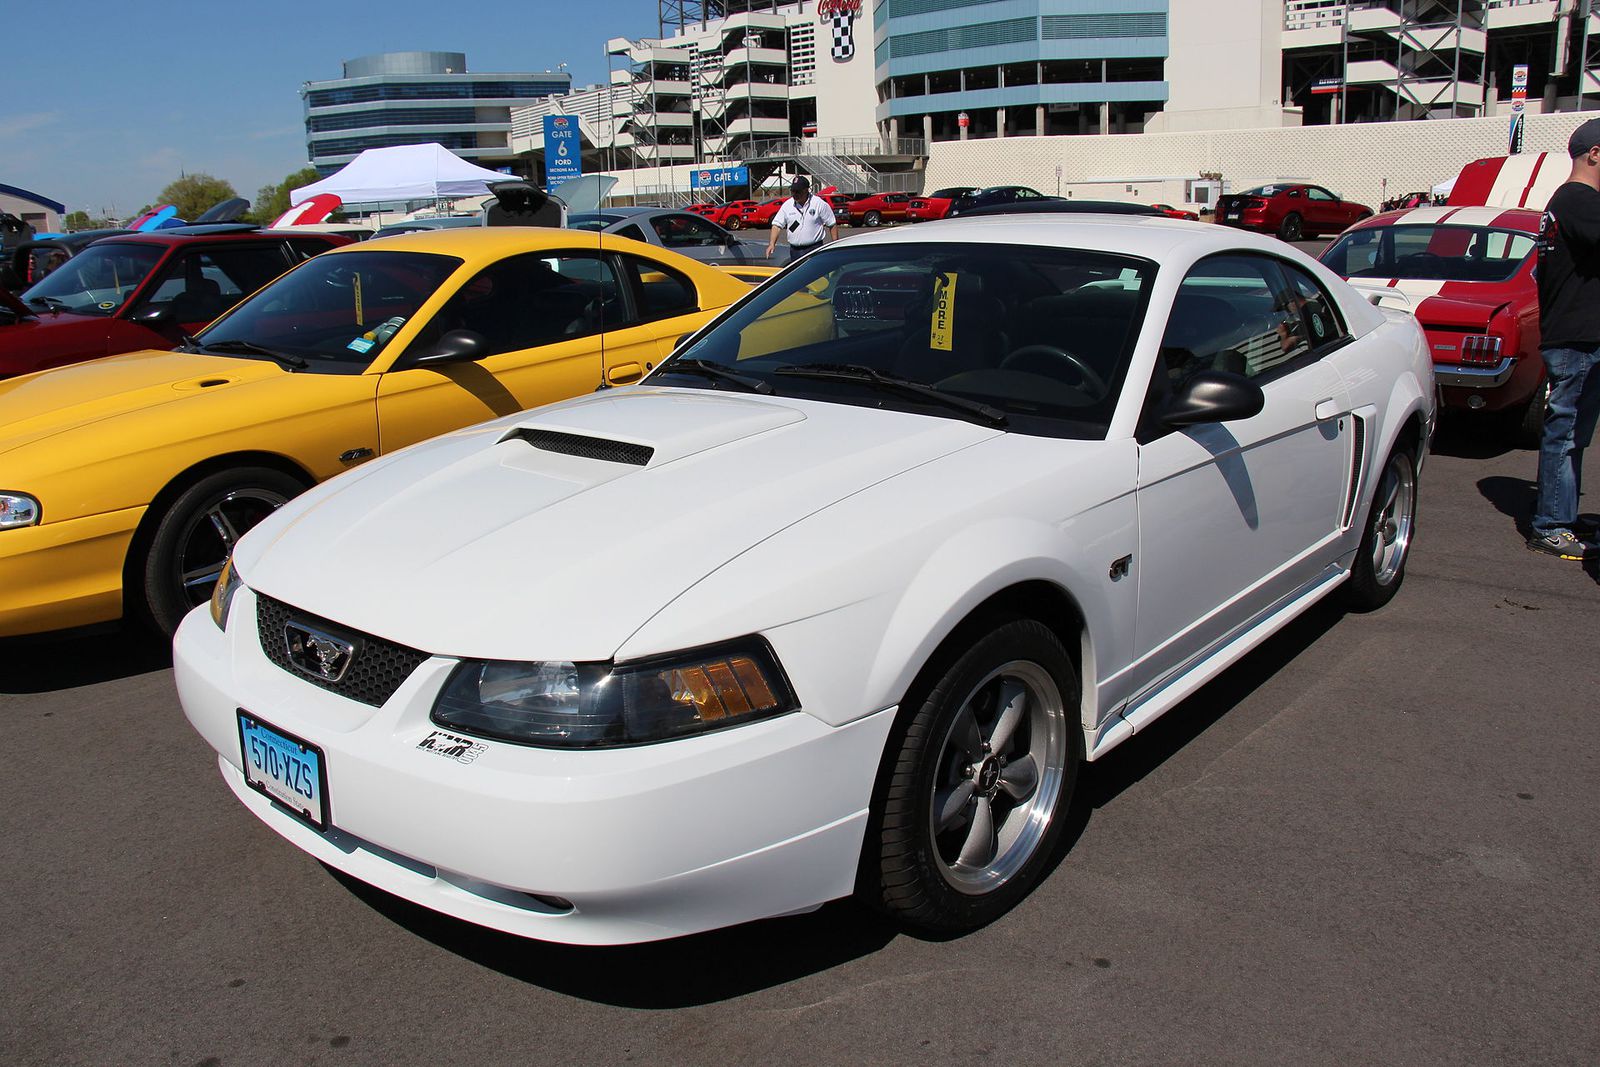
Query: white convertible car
(837, 601)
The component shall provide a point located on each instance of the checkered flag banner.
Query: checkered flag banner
(844, 42)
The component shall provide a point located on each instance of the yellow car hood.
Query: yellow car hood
(36, 406)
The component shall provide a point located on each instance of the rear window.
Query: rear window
(1431, 253)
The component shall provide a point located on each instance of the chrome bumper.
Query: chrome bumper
(1475, 377)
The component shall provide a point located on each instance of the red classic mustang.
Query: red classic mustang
(879, 208)
(1467, 275)
(1290, 211)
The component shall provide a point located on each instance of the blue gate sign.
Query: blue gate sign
(563, 151)
(716, 177)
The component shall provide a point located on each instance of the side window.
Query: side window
(306, 247)
(529, 300)
(1232, 313)
(662, 291)
(1312, 192)
(684, 231)
(199, 286)
(1322, 323)
(632, 233)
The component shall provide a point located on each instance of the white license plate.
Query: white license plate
(284, 768)
(1234, 213)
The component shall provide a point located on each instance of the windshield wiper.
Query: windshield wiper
(248, 348)
(707, 369)
(49, 303)
(855, 372)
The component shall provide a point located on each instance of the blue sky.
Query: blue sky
(93, 118)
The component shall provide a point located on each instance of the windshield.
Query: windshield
(951, 194)
(96, 281)
(1431, 253)
(1043, 335)
(336, 312)
(1265, 190)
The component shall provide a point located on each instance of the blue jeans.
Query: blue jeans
(1568, 428)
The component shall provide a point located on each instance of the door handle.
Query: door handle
(1328, 409)
(623, 373)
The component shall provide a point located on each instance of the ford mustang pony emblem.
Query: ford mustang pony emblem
(317, 654)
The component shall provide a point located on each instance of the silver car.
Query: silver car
(686, 234)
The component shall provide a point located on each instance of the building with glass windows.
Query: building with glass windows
(1019, 67)
(400, 98)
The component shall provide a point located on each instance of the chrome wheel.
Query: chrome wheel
(208, 539)
(998, 777)
(1393, 517)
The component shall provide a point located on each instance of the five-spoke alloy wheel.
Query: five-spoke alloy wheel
(1380, 563)
(977, 782)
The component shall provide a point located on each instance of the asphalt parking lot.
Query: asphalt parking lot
(1374, 841)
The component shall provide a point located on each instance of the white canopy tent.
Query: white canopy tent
(405, 172)
(1444, 187)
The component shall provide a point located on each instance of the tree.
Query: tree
(194, 194)
(273, 200)
(82, 220)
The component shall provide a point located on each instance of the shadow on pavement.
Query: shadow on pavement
(1463, 435)
(684, 972)
(67, 660)
(1106, 779)
(1511, 497)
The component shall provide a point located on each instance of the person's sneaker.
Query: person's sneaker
(1562, 545)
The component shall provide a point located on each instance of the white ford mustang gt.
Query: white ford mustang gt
(837, 601)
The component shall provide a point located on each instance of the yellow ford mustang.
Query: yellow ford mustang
(125, 481)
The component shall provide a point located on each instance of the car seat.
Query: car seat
(200, 301)
(978, 338)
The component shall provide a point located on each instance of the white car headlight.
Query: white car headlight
(228, 584)
(18, 509)
(601, 705)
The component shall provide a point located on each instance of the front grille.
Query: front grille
(377, 667)
(571, 444)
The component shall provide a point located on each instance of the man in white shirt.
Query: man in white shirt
(805, 219)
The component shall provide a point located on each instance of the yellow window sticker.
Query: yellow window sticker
(941, 328)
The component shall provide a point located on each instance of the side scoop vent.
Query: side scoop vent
(571, 444)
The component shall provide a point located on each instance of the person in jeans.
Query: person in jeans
(1569, 326)
(804, 219)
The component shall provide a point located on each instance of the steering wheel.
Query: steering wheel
(1086, 377)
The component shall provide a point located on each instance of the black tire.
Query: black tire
(1293, 227)
(917, 872)
(1525, 429)
(187, 535)
(873, 218)
(1375, 576)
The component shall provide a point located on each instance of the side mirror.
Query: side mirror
(457, 346)
(152, 315)
(1214, 396)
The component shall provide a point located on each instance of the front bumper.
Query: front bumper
(64, 574)
(644, 843)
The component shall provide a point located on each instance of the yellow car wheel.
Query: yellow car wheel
(196, 535)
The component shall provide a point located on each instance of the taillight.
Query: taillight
(1481, 349)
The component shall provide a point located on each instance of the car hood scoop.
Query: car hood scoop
(492, 544)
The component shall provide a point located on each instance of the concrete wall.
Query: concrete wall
(1151, 168)
(1225, 67)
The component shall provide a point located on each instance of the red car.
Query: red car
(935, 205)
(761, 214)
(1290, 211)
(840, 202)
(1176, 212)
(1467, 275)
(707, 210)
(728, 214)
(879, 208)
(143, 290)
